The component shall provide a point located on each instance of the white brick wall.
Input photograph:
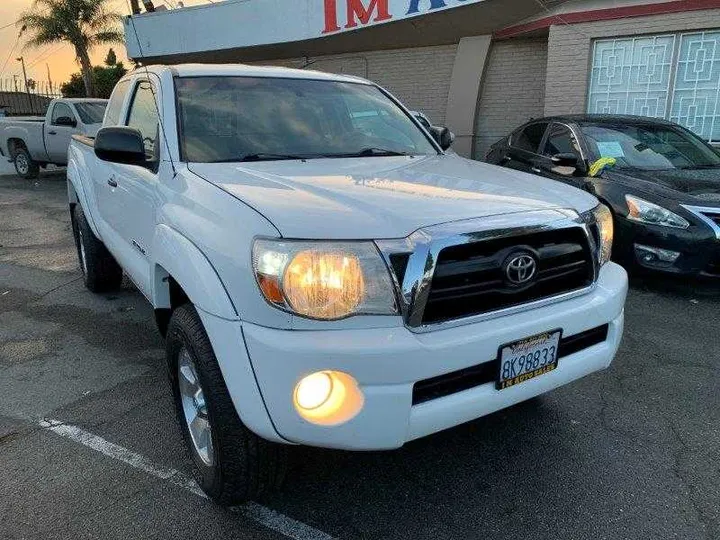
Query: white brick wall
(512, 91)
(569, 50)
(419, 77)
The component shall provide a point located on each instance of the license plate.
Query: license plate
(528, 358)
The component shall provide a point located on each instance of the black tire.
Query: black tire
(243, 465)
(25, 166)
(101, 272)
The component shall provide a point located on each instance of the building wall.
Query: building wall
(570, 47)
(513, 89)
(419, 77)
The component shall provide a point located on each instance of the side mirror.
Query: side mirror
(443, 136)
(65, 121)
(120, 145)
(565, 159)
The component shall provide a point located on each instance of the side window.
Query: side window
(529, 137)
(144, 117)
(560, 141)
(61, 110)
(114, 107)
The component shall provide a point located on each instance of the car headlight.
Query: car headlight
(324, 280)
(647, 212)
(601, 218)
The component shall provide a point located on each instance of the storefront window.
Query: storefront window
(673, 76)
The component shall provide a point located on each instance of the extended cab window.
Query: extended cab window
(115, 105)
(529, 137)
(144, 117)
(245, 118)
(61, 110)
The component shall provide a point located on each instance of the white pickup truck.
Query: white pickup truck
(31, 143)
(324, 272)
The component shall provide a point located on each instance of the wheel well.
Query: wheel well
(176, 296)
(14, 144)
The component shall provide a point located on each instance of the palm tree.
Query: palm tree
(82, 23)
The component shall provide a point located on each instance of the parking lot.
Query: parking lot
(89, 447)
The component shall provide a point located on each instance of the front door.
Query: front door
(524, 147)
(561, 140)
(135, 188)
(63, 124)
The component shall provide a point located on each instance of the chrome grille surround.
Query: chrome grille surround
(701, 212)
(425, 245)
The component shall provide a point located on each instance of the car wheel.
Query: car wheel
(25, 166)
(232, 464)
(100, 270)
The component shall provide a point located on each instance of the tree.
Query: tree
(104, 80)
(82, 23)
(111, 58)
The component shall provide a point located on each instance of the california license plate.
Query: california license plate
(528, 358)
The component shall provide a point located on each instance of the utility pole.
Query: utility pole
(21, 59)
(49, 79)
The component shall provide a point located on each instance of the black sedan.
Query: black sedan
(661, 182)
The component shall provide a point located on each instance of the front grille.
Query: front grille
(714, 216)
(464, 379)
(469, 278)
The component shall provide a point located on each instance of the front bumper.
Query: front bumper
(698, 248)
(387, 362)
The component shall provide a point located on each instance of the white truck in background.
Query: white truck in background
(34, 142)
(324, 272)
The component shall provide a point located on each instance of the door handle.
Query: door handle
(536, 170)
(52, 132)
(112, 182)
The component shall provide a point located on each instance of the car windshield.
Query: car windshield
(91, 113)
(230, 119)
(649, 146)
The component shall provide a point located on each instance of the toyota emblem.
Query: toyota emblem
(520, 269)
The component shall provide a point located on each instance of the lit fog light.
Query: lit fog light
(314, 390)
(649, 254)
(328, 397)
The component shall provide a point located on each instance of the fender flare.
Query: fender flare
(78, 195)
(174, 255)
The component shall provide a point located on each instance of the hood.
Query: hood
(384, 197)
(698, 185)
(92, 129)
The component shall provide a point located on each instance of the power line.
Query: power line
(17, 40)
(9, 25)
(45, 55)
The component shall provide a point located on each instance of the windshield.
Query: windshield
(648, 146)
(91, 113)
(227, 119)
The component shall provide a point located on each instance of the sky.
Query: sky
(60, 58)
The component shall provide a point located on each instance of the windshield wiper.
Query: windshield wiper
(264, 156)
(370, 152)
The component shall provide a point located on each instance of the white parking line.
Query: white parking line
(271, 519)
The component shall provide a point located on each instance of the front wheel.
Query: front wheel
(232, 464)
(25, 165)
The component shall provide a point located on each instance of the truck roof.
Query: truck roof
(84, 100)
(245, 70)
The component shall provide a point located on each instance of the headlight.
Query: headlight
(647, 212)
(324, 280)
(602, 218)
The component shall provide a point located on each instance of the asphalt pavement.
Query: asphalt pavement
(630, 453)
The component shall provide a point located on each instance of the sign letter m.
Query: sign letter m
(357, 13)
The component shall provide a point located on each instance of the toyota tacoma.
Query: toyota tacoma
(324, 272)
